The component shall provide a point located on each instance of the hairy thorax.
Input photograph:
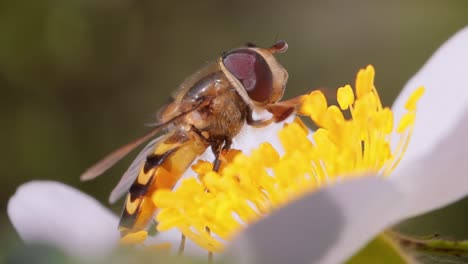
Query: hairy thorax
(221, 113)
(222, 118)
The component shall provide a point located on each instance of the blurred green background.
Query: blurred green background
(79, 78)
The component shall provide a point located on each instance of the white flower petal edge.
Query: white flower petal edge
(61, 216)
(58, 215)
(439, 178)
(433, 171)
(445, 76)
(324, 227)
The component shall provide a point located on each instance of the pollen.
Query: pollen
(353, 139)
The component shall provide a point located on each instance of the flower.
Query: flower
(431, 175)
(214, 207)
(326, 226)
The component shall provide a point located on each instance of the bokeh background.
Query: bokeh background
(79, 78)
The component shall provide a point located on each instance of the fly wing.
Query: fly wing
(109, 161)
(132, 172)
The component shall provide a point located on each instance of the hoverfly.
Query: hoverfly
(208, 110)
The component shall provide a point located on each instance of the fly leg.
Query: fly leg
(279, 111)
(218, 146)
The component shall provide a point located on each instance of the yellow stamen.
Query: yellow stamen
(414, 98)
(406, 121)
(164, 247)
(345, 97)
(365, 81)
(134, 238)
(247, 188)
(315, 105)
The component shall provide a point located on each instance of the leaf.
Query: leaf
(381, 250)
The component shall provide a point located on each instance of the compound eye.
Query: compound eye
(252, 71)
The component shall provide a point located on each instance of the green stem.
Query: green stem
(431, 245)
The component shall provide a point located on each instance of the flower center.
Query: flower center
(212, 208)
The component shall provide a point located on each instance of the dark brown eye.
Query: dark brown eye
(252, 71)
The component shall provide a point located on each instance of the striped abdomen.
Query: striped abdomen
(161, 170)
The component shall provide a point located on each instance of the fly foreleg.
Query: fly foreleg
(279, 111)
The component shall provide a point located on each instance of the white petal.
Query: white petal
(440, 177)
(61, 216)
(250, 137)
(325, 227)
(445, 77)
(432, 172)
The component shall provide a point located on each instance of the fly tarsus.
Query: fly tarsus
(218, 146)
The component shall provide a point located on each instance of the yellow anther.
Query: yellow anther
(414, 98)
(202, 167)
(134, 238)
(269, 155)
(406, 121)
(314, 105)
(163, 247)
(365, 81)
(345, 97)
(384, 120)
(334, 117)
